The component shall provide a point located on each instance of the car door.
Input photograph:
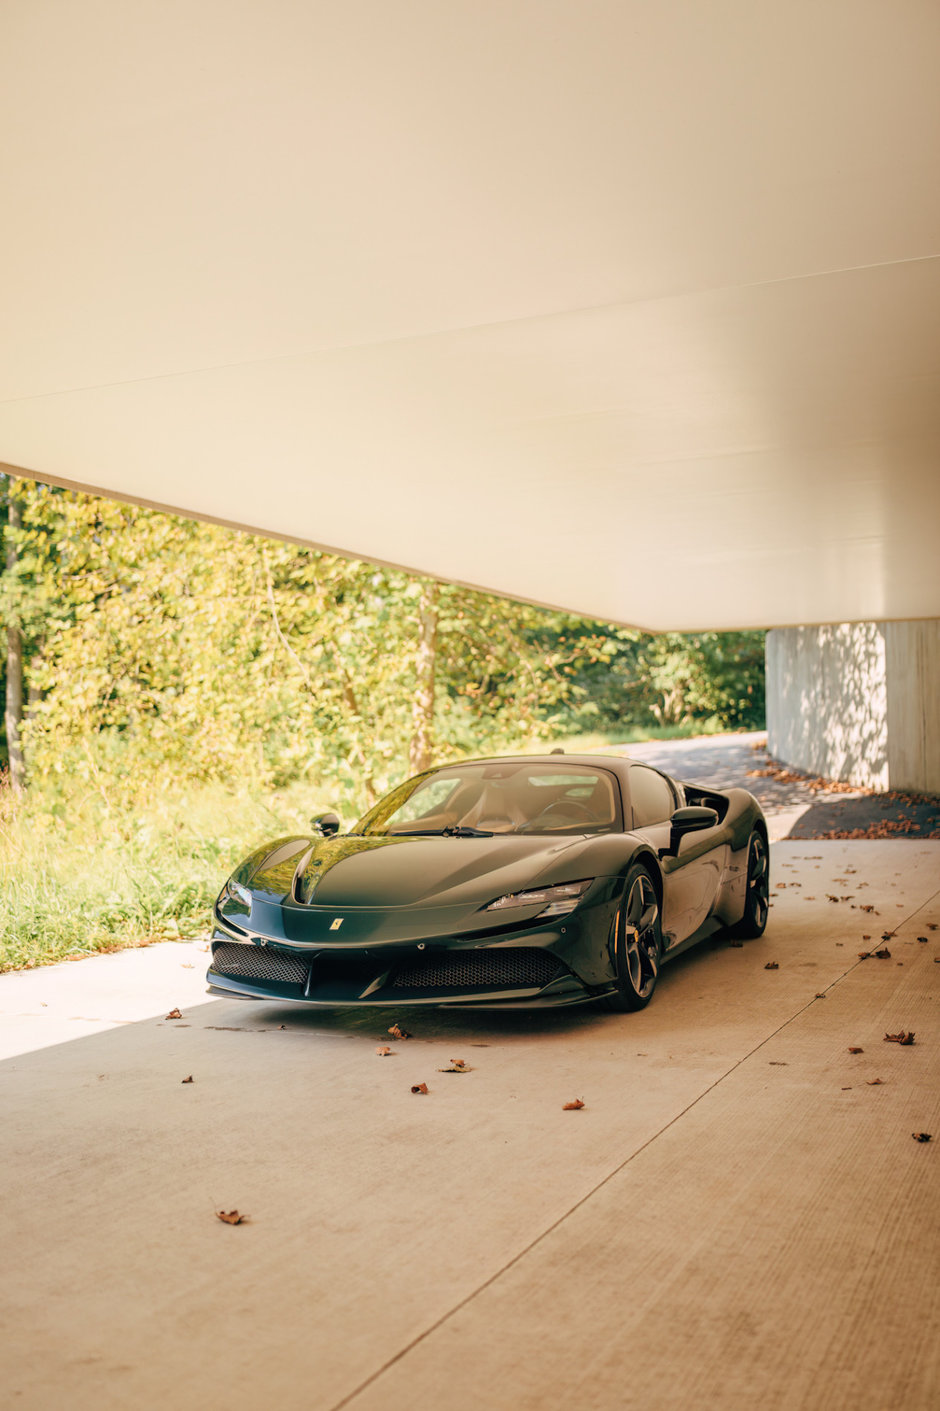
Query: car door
(691, 880)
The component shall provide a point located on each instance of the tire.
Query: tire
(757, 895)
(637, 943)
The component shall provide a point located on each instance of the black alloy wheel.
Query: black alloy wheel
(757, 896)
(638, 943)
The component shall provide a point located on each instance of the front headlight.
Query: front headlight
(556, 901)
(237, 892)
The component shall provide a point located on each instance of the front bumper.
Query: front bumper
(525, 971)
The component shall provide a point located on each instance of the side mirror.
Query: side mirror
(687, 820)
(327, 824)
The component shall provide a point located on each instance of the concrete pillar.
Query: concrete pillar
(859, 702)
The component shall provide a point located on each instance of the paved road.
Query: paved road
(796, 806)
(738, 1217)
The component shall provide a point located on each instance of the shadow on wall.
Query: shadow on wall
(827, 704)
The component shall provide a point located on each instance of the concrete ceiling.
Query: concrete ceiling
(630, 308)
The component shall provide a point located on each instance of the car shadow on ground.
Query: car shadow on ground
(457, 1024)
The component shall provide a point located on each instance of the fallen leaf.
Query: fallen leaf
(866, 908)
(922, 939)
(921, 1136)
(864, 955)
(932, 925)
(886, 935)
(771, 965)
(829, 898)
(572, 1106)
(457, 1065)
(779, 1063)
(820, 995)
(419, 1087)
(856, 1050)
(900, 1038)
(397, 1033)
(883, 954)
(847, 1090)
(231, 1217)
(384, 1051)
(187, 1080)
(174, 1014)
(874, 1082)
(866, 938)
(282, 1026)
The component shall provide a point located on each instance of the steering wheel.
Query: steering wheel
(568, 807)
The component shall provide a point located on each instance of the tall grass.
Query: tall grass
(80, 874)
(83, 869)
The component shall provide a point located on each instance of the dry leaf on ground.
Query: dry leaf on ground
(398, 1033)
(572, 1106)
(902, 1037)
(856, 1050)
(922, 939)
(419, 1087)
(384, 1051)
(874, 1082)
(883, 954)
(771, 965)
(174, 1014)
(231, 1217)
(921, 1136)
(187, 1080)
(457, 1065)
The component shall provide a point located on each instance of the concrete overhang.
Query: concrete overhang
(628, 308)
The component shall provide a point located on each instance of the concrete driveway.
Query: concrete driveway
(739, 1215)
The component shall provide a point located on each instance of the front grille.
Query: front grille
(516, 968)
(259, 963)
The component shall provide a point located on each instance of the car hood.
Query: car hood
(401, 871)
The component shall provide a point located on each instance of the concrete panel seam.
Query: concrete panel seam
(556, 1224)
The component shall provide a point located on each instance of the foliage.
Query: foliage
(81, 873)
(175, 668)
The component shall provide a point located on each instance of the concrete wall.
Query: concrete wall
(858, 702)
(913, 679)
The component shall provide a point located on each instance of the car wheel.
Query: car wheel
(757, 897)
(638, 943)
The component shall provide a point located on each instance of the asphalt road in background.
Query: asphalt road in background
(796, 805)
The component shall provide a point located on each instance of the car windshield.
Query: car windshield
(511, 796)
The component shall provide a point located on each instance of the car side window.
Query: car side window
(651, 795)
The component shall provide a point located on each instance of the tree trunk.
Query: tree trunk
(422, 714)
(14, 666)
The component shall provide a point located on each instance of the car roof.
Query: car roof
(616, 763)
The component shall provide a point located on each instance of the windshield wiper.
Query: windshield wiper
(456, 832)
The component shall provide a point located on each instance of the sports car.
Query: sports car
(509, 882)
